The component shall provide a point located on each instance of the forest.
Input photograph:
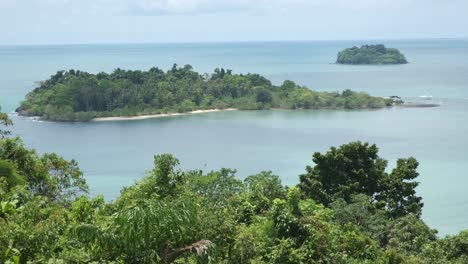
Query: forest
(75, 95)
(348, 207)
(371, 54)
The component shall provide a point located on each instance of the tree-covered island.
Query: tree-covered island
(75, 95)
(370, 54)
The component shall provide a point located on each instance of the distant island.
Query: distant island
(75, 95)
(370, 54)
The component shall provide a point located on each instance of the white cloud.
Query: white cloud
(201, 6)
(158, 7)
(206, 6)
(181, 6)
(97, 21)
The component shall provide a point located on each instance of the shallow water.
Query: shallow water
(115, 154)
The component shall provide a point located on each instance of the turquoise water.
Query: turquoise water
(115, 154)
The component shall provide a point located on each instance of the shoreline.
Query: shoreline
(142, 117)
(201, 111)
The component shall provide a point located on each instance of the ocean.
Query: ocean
(116, 154)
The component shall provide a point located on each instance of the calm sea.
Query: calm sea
(115, 154)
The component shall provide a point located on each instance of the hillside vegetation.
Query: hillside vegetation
(347, 208)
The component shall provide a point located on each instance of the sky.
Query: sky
(28, 22)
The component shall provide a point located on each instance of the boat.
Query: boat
(395, 99)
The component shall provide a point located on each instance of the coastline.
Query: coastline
(201, 111)
(141, 117)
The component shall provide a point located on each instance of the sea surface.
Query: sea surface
(116, 154)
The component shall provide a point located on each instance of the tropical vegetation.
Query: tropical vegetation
(79, 96)
(371, 54)
(347, 208)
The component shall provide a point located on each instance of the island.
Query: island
(370, 54)
(75, 95)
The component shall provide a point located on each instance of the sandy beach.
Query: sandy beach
(126, 118)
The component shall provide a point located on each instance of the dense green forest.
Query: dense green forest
(78, 96)
(347, 208)
(370, 54)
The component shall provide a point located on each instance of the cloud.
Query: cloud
(178, 7)
(98, 21)
(159, 7)
(164, 7)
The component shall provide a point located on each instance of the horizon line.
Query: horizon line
(230, 41)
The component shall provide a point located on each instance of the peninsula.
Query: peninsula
(370, 54)
(75, 95)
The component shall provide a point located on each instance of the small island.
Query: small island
(75, 95)
(370, 54)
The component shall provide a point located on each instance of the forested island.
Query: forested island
(348, 207)
(80, 96)
(370, 54)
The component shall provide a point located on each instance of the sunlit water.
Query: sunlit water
(115, 154)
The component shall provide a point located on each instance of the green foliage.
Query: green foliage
(456, 247)
(4, 121)
(48, 175)
(285, 222)
(358, 213)
(9, 176)
(356, 168)
(361, 213)
(216, 187)
(399, 189)
(167, 179)
(264, 96)
(252, 242)
(263, 188)
(370, 54)
(341, 172)
(85, 210)
(353, 244)
(35, 230)
(144, 232)
(285, 252)
(410, 234)
(80, 96)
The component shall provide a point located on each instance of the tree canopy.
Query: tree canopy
(75, 95)
(371, 54)
(356, 168)
(4, 122)
(346, 209)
